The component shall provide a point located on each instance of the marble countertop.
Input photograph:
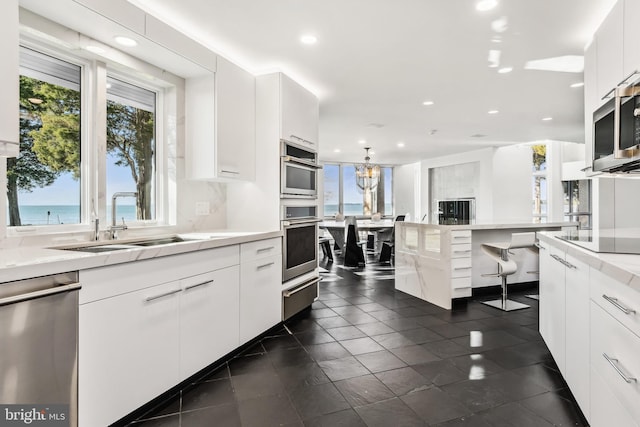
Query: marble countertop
(498, 226)
(624, 268)
(25, 262)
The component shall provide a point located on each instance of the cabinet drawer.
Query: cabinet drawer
(462, 236)
(609, 338)
(617, 299)
(260, 249)
(461, 267)
(461, 293)
(462, 250)
(461, 282)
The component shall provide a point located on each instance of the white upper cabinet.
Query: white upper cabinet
(631, 61)
(120, 11)
(9, 119)
(298, 114)
(609, 45)
(220, 124)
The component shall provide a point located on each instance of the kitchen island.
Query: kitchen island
(439, 263)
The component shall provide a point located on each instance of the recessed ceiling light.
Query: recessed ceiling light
(362, 141)
(547, 119)
(337, 150)
(484, 5)
(427, 103)
(400, 144)
(308, 39)
(95, 49)
(493, 112)
(125, 41)
(499, 25)
(505, 70)
(494, 58)
(579, 84)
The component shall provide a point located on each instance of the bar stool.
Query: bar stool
(499, 252)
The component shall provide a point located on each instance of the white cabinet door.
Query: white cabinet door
(591, 102)
(552, 303)
(260, 296)
(609, 40)
(235, 121)
(9, 95)
(631, 55)
(606, 410)
(128, 352)
(299, 114)
(577, 331)
(209, 312)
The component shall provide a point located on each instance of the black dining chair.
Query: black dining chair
(387, 250)
(353, 248)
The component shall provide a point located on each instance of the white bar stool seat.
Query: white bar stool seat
(499, 252)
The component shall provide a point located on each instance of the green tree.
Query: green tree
(130, 136)
(49, 140)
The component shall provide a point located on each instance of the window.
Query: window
(70, 165)
(341, 192)
(43, 182)
(539, 161)
(577, 202)
(131, 149)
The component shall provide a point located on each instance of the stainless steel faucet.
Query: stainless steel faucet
(114, 228)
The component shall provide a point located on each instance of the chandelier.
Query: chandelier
(367, 175)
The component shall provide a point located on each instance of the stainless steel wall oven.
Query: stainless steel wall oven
(300, 240)
(298, 172)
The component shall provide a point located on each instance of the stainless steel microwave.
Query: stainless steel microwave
(616, 132)
(298, 172)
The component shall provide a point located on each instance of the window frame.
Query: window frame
(341, 166)
(93, 106)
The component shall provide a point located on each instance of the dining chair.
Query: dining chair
(388, 245)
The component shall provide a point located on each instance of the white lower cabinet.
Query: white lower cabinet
(260, 287)
(128, 352)
(209, 304)
(552, 318)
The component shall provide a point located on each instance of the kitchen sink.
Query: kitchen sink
(160, 241)
(107, 247)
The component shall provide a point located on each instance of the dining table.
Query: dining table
(337, 229)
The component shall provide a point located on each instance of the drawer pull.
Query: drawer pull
(462, 268)
(269, 264)
(265, 249)
(614, 364)
(197, 285)
(460, 237)
(462, 252)
(162, 295)
(616, 304)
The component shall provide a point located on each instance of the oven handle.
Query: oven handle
(287, 294)
(290, 223)
(302, 162)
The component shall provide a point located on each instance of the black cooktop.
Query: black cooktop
(608, 244)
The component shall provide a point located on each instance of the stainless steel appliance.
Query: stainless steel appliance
(39, 341)
(298, 298)
(300, 240)
(616, 130)
(457, 211)
(298, 172)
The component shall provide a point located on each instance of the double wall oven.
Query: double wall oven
(299, 223)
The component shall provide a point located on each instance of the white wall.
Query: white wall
(406, 184)
(511, 183)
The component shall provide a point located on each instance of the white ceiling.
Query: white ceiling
(376, 61)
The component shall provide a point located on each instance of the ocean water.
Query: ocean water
(64, 214)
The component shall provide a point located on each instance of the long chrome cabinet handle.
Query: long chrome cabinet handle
(462, 268)
(260, 250)
(39, 294)
(197, 285)
(304, 286)
(230, 172)
(162, 295)
(614, 364)
(616, 304)
(462, 252)
(302, 139)
(269, 264)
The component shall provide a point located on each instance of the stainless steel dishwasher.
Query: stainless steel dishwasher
(39, 356)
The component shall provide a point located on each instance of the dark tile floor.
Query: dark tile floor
(366, 355)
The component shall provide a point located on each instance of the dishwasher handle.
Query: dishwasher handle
(39, 294)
